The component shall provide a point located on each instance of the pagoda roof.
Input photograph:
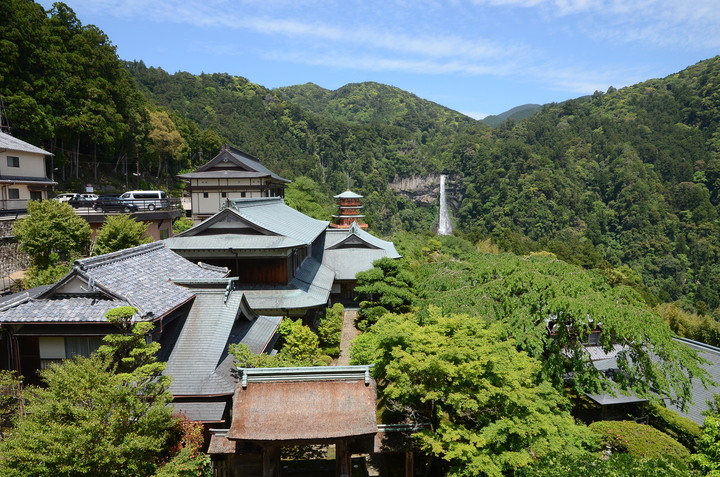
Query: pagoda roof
(348, 194)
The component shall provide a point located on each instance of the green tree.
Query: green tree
(120, 232)
(53, 235)
(305, 195)
(490, 412)
(103, 415)
(550, 308)
(387, 287)
(166, 143)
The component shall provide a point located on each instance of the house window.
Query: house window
(164, 233)
(223, 194)
(13, 193)
(242, 194)
(55, 349)
(13, 161)
(205, 195)
(35, 195)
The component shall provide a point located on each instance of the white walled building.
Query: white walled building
(23, 175)
(231, 174)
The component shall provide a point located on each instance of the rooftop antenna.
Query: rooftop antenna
(4, 121)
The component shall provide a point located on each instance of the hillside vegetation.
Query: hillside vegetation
(625, 181)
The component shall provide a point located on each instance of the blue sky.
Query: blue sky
(478, 57)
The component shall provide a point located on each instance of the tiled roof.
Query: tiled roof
(273, 215)
(310, 288)
(230, 155)
(143, 276)
(234, 241)
(270, 223)
(700, 394)
(353, 250)
(14, 144)
(356, 237)
(199, 362)
(348, 194)
(140, 277)
(26, 180)
(60, 308)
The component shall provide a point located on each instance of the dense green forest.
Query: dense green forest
(624, 181)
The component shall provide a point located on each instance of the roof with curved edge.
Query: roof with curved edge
(261, 217)
(231, 160)
(348, 194)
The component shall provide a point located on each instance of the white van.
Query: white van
(146, 199)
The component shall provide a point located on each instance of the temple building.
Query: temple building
(349, 208)
(232, 174)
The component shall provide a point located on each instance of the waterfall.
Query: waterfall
(444, 225)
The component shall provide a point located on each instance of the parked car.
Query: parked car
(66, 197)
(83, 200)
(147, 199)
(114, 204)
(102, 199)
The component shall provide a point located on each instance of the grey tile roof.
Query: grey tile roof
(26, 180)
(60, 308)
(143, 276)
(234, 241)
(140, 277)
(273, 215)
(204, 411)
(199, 362)
(348, 262)
(353, 250)
(700, 394)
(348, 194)
(232, 156)
(310, 288)
(356, 237)
(264, 218)
(14, 144)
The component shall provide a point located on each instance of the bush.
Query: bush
(680, 428)
(330, 327)
(617, 465)
(639, 440)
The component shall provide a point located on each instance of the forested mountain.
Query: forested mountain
(373, 103)
(516, 114)
(627, 182)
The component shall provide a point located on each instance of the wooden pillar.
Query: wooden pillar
(271, 460)
(343, 463)
(409, 464)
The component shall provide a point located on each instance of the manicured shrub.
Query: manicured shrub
(639, 440)
(682, 429)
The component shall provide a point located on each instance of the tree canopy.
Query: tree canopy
(103, 415)
(490, 412)
(120, 232)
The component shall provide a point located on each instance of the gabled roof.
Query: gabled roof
(199, 362)
(140, 277)
(231, 162)
(14, 144)
(26, 180)
(294, 404)
(353, 250)
(267, 223)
